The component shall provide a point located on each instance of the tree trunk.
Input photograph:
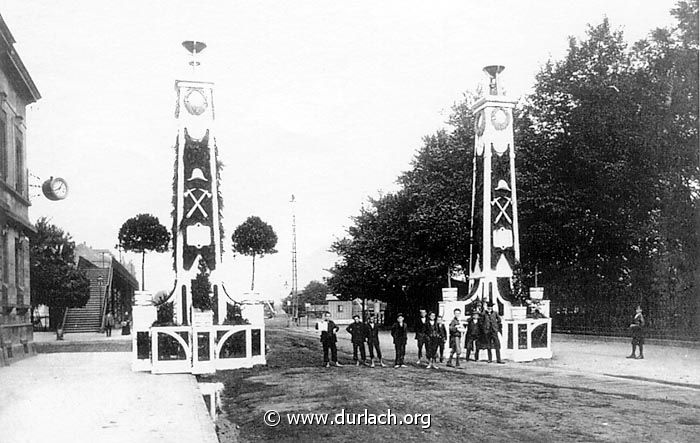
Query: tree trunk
(143, 261)
(252, 282)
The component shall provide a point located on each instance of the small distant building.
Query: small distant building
(341, 310)
(17, 91)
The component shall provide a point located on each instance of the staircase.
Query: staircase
(89, 317)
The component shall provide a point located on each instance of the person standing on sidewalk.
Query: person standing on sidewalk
(373, 341)
(456, 329)
(358, 336)
(637, 330)
(109, 324)
(421, 335)
(491, 326)
(400, 334)
(328, 329)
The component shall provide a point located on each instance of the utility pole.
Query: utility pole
(295, 297)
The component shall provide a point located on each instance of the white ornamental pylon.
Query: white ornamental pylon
(196, 221)
(494, 244)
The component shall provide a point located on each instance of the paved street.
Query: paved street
(95, 397)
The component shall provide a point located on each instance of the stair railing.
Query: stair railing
(105, 300)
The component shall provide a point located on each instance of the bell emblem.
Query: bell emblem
(197, 174)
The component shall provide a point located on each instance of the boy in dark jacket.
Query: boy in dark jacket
(637, 330)
(443, 337)
(328, 329)
(422, 339)
(400, 333)
(358, 335)
(473, 332)
(373, 341)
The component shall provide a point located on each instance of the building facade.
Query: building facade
(17, 91)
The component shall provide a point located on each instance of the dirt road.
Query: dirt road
(482, 402)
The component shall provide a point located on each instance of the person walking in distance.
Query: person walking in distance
(421, 335)
(443, 337)
(491, 326)
(328, 329)
(456, 330)
(373, 341)
(358, 336)
(400, 334)
(109, 324)
(637, 331)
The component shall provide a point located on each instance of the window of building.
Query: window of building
(19, 268)
(3, 145)
(19, 164)
(340, 308)
(5, 264)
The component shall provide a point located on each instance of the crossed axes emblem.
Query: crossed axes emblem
(502, 208)
(197, 201)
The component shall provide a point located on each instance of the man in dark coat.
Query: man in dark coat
(358, 336)
(373, 341)
(491, 326)
(422, 335)
(328, 330)
(400, 334)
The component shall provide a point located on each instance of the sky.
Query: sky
(328, 101)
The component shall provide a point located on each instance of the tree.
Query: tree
(313, 293)
(608, 174)
(201, 288)
(254, 237)
(404, 244)
(143, 233)
(56, 281)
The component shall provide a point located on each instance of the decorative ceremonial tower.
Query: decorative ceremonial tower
(494, 243)
(494, 246)
(189, 341)
(197, 200)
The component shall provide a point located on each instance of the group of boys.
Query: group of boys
(360, 334)
(481, 329)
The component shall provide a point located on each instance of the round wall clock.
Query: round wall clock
(195, 102)
(480, 124)
(500, 119)
(55, 188)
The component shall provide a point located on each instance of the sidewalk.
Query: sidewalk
(95, 397)
(45, 342)
(674, 365)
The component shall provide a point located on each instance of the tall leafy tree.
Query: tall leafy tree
(608, 173)
(201, 287)
(56, 281)
(254, 238)
(141, 234)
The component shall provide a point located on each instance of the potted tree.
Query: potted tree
(519, 308)
(201, 296)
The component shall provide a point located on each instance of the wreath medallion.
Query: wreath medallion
(500, 119)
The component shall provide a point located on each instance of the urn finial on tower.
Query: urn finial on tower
(194, 47)
(494, 72)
